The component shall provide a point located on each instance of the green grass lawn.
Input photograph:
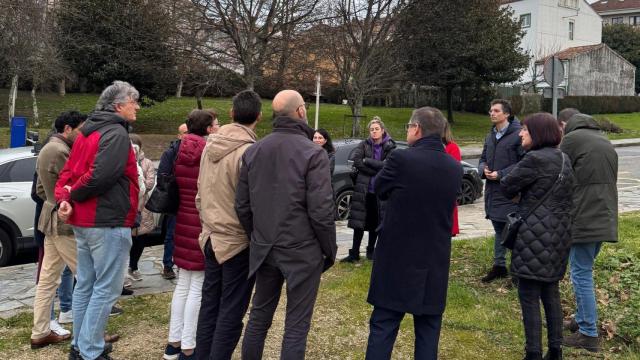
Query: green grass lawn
(481, 321)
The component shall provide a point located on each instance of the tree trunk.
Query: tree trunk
(13, 94)
(450, 104)
(356, 111)
(199, 99)
(62, 87)
(179, 88)
(463, 97)
(36, 117)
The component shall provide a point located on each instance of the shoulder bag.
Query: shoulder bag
(165, 197)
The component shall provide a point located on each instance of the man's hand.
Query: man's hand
(490, 175)
(65, 210)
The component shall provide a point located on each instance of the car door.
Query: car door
(16, 177)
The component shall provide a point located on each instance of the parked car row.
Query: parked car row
(343, 184)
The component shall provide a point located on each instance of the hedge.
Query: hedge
(597, 104)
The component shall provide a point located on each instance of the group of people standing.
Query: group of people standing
(560, 176)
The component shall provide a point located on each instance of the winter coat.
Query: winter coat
(500, 155)
(411, 263)
(217, 182)
(50, 162)
(187, 253)
(168, 158)
(368, 167)
(284, 199)
(454, 150)
(102, 174)
(147, 222)
(595, 164)
(541, 250)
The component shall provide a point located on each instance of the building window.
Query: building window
(573, 4)
(617, 20)
(525, 20)
(572, 29)
(634, 20)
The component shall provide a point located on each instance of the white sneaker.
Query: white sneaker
(134, 275)
(66, 317)
(127, 283)
(58, 329)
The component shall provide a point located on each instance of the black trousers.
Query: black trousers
(371, 223)
(137, 247)
(302, 289)
(383, 330)
(531, 292)
(225, 297)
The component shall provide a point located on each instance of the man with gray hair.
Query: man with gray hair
(97, 194)
(411, 263)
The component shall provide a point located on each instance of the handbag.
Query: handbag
(515, 220)
(165, 197)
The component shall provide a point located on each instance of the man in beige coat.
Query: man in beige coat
(59, 242)
(226, 289)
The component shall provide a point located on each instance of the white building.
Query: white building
(554, 25)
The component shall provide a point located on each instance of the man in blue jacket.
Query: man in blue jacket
(411, 263)
(502, 150)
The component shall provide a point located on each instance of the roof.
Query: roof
(611, 5)
(570, 53)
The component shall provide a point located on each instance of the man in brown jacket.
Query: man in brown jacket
(59, 242)
(285, 202)
(226, 289)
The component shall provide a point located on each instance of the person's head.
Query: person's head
(68, 124)
(216, 123)
(500, 111)
(540, 130)
(136, 139)
(182, 129)
(322, 138)
(200, 122)
(247, 108)
(376, 129)
(425, 121)
(289, 103)
(447, 135)
(120, 98)
(565, 115)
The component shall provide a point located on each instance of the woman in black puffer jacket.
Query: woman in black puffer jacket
(541, 251)
(365, 213)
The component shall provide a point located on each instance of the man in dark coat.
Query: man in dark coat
(595, 218)
(284, 202)
(502, 150)
(411, 264)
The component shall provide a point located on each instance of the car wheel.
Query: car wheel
(6, 248)
(467, 196)
(343, 205)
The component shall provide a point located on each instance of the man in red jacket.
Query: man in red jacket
(97, 193)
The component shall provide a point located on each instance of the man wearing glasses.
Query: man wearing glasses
(411, 265)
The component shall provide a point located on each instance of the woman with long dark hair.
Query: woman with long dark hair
(368, 159)
(543, 180)
(322, 138)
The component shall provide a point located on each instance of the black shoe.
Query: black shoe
(369, 254)
(353, 256)
(126, 291)
(115, 311)
(496, 272)
(581, 341)
(168, 274)
(571, 325)
(533, 356)
(553, 354)
(75, 354)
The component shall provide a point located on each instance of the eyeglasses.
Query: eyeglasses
(407, 126)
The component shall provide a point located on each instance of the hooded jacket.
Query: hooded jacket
(187, 253)
(102, 174)
(217, 182)
(595, 196)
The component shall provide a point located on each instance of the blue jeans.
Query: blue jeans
(102, 253)
(167, 258)
(499, 251)
(581, 259)
(64, 292)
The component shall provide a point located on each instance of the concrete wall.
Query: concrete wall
(601, 72)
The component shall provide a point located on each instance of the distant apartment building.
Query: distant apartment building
(618, 11)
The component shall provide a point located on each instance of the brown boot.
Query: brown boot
(581, 341)
(570, 325)
(52, 338)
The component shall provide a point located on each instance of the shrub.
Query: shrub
(608, 126)
(597, 104)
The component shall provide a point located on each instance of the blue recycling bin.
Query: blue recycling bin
(18, 131)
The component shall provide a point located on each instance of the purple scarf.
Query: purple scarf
(377, 155)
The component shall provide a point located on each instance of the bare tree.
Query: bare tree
(241, 32)
(359, 46)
